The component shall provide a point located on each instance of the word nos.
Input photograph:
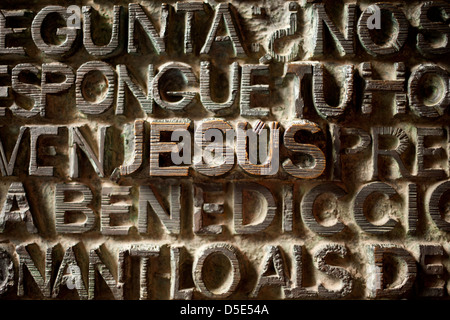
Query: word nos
(211, 146)
(243, 90)
(74, 212)
(322, 23)
(426, 91)
(95, 268)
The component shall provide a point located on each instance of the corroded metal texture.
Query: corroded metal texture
(224, 150)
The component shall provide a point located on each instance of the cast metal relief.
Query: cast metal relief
(224, 150)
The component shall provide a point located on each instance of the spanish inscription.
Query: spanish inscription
(224, 150)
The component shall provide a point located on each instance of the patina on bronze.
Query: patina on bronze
(224, 150)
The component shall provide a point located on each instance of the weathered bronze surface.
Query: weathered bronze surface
(224, 150)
